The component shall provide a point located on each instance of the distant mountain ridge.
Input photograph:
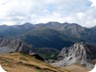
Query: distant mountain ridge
(76, 44)
(48, 34)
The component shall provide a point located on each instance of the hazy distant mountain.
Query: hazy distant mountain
(80, 53)
(52, 34)
(16, 30)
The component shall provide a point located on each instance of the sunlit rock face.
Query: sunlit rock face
(8, 45)
(80, 53)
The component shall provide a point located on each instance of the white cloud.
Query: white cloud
(80, 15)
(93, 2)
(36, 11)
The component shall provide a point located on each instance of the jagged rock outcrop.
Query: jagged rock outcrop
(80, 53)
(8, 45)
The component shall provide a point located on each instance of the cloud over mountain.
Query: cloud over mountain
(36, 11)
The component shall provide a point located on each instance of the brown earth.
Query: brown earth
(21, 62)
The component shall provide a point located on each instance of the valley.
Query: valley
(50, 47)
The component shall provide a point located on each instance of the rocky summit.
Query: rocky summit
(8, 45)
(80, 53)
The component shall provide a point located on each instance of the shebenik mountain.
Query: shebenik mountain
(52, 34)
(47, 40)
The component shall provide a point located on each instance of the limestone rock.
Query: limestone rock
(80, 53)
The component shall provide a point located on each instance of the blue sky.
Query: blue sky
(14, 12)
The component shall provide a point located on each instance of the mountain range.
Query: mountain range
(52, 34)
(61, 44)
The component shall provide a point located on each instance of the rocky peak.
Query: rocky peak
(8, 45)
(81, 53)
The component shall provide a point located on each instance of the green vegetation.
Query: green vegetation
(47, 53)
(46, 37)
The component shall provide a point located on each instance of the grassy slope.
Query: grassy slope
(20, 62)
(77, 68)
